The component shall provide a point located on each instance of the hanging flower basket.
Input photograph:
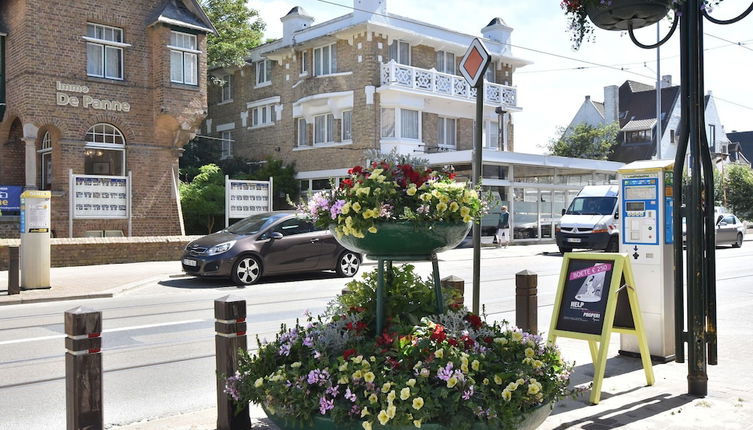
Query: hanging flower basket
(618, 14)
(406, 238)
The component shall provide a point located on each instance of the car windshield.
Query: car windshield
(254, 223)
(592, 206)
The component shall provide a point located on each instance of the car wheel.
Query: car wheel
(739, 242)
(348, 264)
(613, 245)
(246, 270)
(564, 249)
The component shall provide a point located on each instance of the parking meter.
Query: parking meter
(35, 239)
(646, 236)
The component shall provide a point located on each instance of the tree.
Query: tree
(239, 29)
(738, 187)
(203, 199)
(585, 141)
(284, 182)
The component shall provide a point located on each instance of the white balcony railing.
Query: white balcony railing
(445, 84)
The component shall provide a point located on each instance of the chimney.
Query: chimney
(666, 81)
(497, 30)
(588, 98)
(297, 19)
(611, 103)
(364, 10)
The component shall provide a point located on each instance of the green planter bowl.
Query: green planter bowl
(531, 420)
(406, 239)
(619, 13)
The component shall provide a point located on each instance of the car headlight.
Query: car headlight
(600, 228)
(220, 248)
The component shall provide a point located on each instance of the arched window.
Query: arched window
(105, 151)
(45, 155)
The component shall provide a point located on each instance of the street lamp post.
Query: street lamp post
(701, 334)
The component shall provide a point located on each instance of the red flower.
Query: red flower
(348, 352)
(356, 309)
(488, 339)
(356, 170)
(455, 306)
(468, 342)
(392, 362)
(451, 175)
(346, 183)
(474, 320)
(385, 339)
(452, 341)
(438, 335)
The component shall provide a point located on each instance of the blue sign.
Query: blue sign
(10, 197)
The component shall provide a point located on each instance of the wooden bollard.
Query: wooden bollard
(83, 369)
(457, 284)
(13, 284)
(230, 328)
(526, 301)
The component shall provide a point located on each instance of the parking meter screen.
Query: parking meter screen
(584, 299)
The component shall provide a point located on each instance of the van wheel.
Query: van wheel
(613, 245)
(564, 249)
(739, 242)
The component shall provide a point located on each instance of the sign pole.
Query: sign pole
(70, 202)
(227, 201)
(476, 182)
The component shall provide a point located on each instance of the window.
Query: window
(104, 51)
(304, 62)
(104, 152)
(671, 136)
(446, 135)
(492, 135)
(400, 52)
(294, 226)
(388, 122)
(409, 124)
(712, 137)
(263, 72)
(303, 135)
(445, 62)
(325, 60)
(639, 136)
(347, 126)
(45, 154)
(263, 116)
(227, 89)
(324, 129)
(490, 72)
(227, 145)
(184, 58)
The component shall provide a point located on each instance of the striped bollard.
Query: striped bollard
(83, 369)
(230, 328)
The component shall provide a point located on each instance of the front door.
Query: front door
(46, 170)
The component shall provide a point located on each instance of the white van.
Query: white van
(591, 220)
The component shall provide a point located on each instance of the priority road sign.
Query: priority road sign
(474, 63)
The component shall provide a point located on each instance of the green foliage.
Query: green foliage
(203, 199)
(283, 180)
(738, 187)
(585, 141)
(198, 152)
(239, 29)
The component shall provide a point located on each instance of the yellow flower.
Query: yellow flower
(372, 359)
(357, 359)
(357, 233)
(366, 425)
(345, 209)
(343, 367)
(497, 380)
(435, 193)
(475, 365)
(424, 373)
(511, 386)
(373, 398)
(383, 417)
(349, 221)
(520, 381)
(418, 403)
(441, 207)
(367, 214)
(439, 353)
(343, 380)
(356, 207)
(538, 364)
(454, 207)
(376, 172)
(296, 365)
(500, 341)
(467, 218)
(357, 374)
(365, 411)
(391, 396)
(368, 376)
(534, 388)
(486, 381)
(404, 393)
(464, 367)
(425, 197)
(517, 336)
(411, 191)
(411, 382)
(379, 178)
(417, 423)
(465, 211)
(259, 382)
(506, 395)
(529, 352)
(386, 387)
(391, 409)
(452, 382)
(372, 229)
(363, 191)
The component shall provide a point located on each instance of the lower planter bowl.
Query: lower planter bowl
(407, 239)
(619, 13)
(532, 420)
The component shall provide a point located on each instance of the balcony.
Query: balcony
(430, 81)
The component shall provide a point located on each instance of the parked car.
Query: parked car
(268, 244)
(729, 230)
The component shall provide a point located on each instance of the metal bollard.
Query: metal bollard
(83, 369)
(457, 284)
(526, 301)
(230, 325)
(13, 284)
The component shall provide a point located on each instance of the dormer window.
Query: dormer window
(184, 58)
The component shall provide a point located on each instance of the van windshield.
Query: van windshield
(592, 206)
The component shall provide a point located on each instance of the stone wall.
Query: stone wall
(109, 250)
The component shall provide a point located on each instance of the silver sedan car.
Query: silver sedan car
(729, 230)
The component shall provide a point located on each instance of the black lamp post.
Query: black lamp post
(697, 205)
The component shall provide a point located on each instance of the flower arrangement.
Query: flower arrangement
(387, 191)
(453, 369)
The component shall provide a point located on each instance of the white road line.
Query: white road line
(112, 330)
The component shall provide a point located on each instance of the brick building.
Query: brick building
(103, 89)
(324, 93)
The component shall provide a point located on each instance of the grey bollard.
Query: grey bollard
(230, 328)
(455, 283)
(13, 284)
(526, 301)
(83, 369)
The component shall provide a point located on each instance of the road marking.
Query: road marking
(112, 330)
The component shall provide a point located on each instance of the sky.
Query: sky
(552, 89)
